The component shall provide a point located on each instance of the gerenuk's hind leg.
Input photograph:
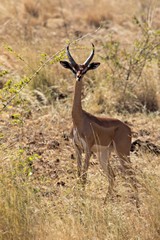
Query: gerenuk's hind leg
(122, 148)
(107, 169)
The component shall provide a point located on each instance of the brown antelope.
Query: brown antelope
(96, 134)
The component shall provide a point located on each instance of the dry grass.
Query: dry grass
(18, 205)
(44, 191)
(55, 211)
(39, 195)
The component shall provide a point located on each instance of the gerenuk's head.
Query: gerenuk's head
(80, 70)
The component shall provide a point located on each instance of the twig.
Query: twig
(43, 65)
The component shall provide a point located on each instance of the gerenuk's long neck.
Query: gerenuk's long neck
(77, 105)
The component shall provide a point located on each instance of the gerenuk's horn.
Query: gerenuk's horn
(74, 64)
(89, 59)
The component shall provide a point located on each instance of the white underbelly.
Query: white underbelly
(81, 143)
(99, 148)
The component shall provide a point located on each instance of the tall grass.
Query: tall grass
(126, 81)
(73, 213)
(18, 205)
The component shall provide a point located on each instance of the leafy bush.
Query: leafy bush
(129, 72)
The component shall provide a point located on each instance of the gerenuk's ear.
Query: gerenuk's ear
(67, 65)
(93, 65)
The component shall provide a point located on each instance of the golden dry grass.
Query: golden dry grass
(39, 195)
(46, 195)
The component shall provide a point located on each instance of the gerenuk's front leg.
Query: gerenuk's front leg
(86, 165)
(79, 160)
